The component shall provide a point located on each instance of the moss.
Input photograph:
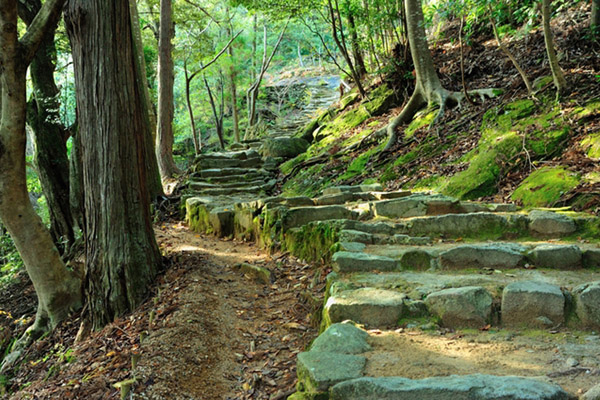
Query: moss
(421, 120)
(589, 109)
(348, 100)
(313, 242)
(380, 100)
(545, 187)
(197, 217)
(485, 169)
(591, 144)
(287, 166)
(542, 82)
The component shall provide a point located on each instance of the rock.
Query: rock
(587, 304)
(469, 306)
(373, 307)
(492, 255)
(379, 228)
(342, 338)
(257, 273)
(466, 387)
(348, 235)
(226, 172)
(319, 371)
(556, 256)
(344, 261)
(592, 394)
(412, 241)
(414, 206)
(417, 259)
(332, 199)
(300, 201)
(464, 225)
(591, 258)
(221, 220)
(352, 247)
(391, 195)
(502, 207)
(376, 187)
(300, 216)
(546, 224)
(523, 303)
(286, 147)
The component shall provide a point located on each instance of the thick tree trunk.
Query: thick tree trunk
(359, 60)
(58, 290)
(428, 88)
(155, 188)
(164, 137)
(122, 256)
(50, 135)
(557, 74)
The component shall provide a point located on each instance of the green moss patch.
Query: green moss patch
(421, 120)
(545, 187)
(591, 144)
(312, 242)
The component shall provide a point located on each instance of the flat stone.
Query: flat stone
(342, 338)
(532, 304)
(373, 228)
(417, 259)
(502, 207)
(546, 223)
(413, 206)
(300, 216)
(412, 241)
(391, 195)
(300, 201)
(333, 199)
(373, 307)
(239, 155)
(587, 304)
(463, 225)
(591, 258)
(228, 163)
(222, 172)
(492, 255)
(556, 256)
(353, 247)
(465, 387)
(349, 235)
(469, 306)
(319, 371)
(352, 189)
(345, 262)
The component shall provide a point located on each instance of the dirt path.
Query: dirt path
(209, 332)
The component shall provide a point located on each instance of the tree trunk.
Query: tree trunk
(557, 73)
(595, 14)
(428, 88)
(356, 50)
(164, 137)
(122, 256)
(196, 139)
(58, 289)
(233, 88)
(50, 135)
(155, 188)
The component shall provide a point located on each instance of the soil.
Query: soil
(570, 359)
(208, 332)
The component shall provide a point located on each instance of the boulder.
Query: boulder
(591, 258)
(373, 307)
(544, 223)
(417, 259)
(342, 338)
(466, 387)
(319, 371)
(492, 255)
(344, 261)
(556, 256)
(532, 304)
(469, 306)
(587, 301)
(286, 147)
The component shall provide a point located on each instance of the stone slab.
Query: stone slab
(343, 339)
(532, 304)
(345, 262)
(587, 304)
(469, 306)
(544, 223)
(373, 307)
(556, 256)
(319, 371)
(491, 255)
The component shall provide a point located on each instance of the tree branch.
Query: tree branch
(46, 17)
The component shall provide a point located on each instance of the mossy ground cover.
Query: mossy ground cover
(545, 186)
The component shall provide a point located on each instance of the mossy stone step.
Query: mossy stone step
(200, 185)
(299, 216)
(352, 189)
(244, 177)
(227, 163)
(529, 304)
(465, 387)
(228, 155)
(226, 172)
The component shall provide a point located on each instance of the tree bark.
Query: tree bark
(557, 74)
(58, 289)
(165, 137)
(595, 14)
(428, 88)
(155, 188)
(233, 88)
(50, 135)
(356, 50)
(122, 256)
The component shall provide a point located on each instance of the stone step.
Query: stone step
(253, 175)
(200, 185)
(224, 172)
(228, 155)
(456, 256)
(299, 216)
(526, 298)
(228, 163)
(257, 190)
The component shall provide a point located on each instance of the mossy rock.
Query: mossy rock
(545, 186)
(313, 242)
(348, 100)
(591, 144)
(381, 100)
(283, 147)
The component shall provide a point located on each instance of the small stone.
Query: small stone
(319, 371)
(342, 338)
(556, 256)
(373, 307)
(469, 306)
(546, 223)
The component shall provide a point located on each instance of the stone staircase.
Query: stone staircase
(406, 263)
